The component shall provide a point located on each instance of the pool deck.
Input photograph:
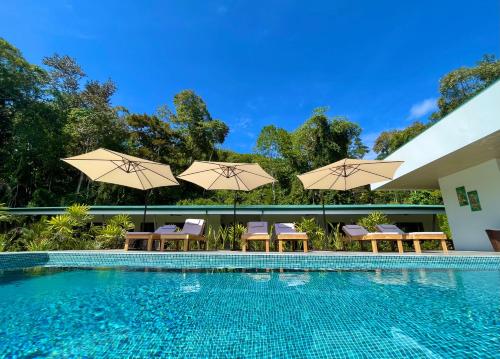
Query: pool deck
(299, 254)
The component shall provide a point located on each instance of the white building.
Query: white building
(459, 154)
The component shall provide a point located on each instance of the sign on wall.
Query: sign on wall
(462, 196)
(475, 204)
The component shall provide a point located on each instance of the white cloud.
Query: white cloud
(423, 108)
(243, 122)
(243, 126)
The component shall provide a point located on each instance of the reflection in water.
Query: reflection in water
(445, 279)
(259, 277)
(408, 342)
(442, 279)
(189, 284)
(391, 278)
(294, 279)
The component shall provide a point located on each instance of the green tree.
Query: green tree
(152, 138)
(389, 141)
(464, 83)
(199, 131)
(322, 140)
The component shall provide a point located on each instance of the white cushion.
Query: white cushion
(193, 226)
(257, 227)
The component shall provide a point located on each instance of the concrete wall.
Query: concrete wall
(468, 227)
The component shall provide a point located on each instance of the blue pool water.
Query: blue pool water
(143, 314)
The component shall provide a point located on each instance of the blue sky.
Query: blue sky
(262, 62)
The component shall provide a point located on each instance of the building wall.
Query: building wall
(468, 227)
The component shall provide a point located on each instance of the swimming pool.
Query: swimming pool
(131, 312)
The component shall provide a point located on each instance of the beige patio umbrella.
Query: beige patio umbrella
(227, 176)
(109, 166)
(347, 174)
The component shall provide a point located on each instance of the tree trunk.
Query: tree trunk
(80, 180)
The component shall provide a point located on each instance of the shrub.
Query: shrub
(112, 234)
(444, 226)
(3, 242)
(317, 237)
(41, 244)
(4, 215)
(338, 239)
(217, 238)
(374, 218)
(37, 236)
(235, 240)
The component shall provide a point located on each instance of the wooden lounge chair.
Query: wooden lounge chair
(359, 233)
(286, 232)
(256, 231)
(417, 237)
(132, 237)
(191, 231)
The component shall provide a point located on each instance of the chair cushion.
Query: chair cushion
(169, 228)
(353, 230)
(193, 226)
(281, 228)
(424, 233)
(257, 227)
(389, 228)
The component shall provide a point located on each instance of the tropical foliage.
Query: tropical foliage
(40, 105)
(71, 230)
(370, 222)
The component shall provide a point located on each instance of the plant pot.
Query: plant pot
(494, 236)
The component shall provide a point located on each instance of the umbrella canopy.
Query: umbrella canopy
(349, 173)
(226, 175)
(108, 166)
(346, 174)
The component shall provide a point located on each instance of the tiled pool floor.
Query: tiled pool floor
(114, 313)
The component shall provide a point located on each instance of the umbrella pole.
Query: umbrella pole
(234, 217)
(145, 209)
(325, 227)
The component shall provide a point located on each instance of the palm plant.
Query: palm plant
(338, 239)
(235, 231)
(62, 231)
(317, 237)
(374, 218)
(112, 234)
